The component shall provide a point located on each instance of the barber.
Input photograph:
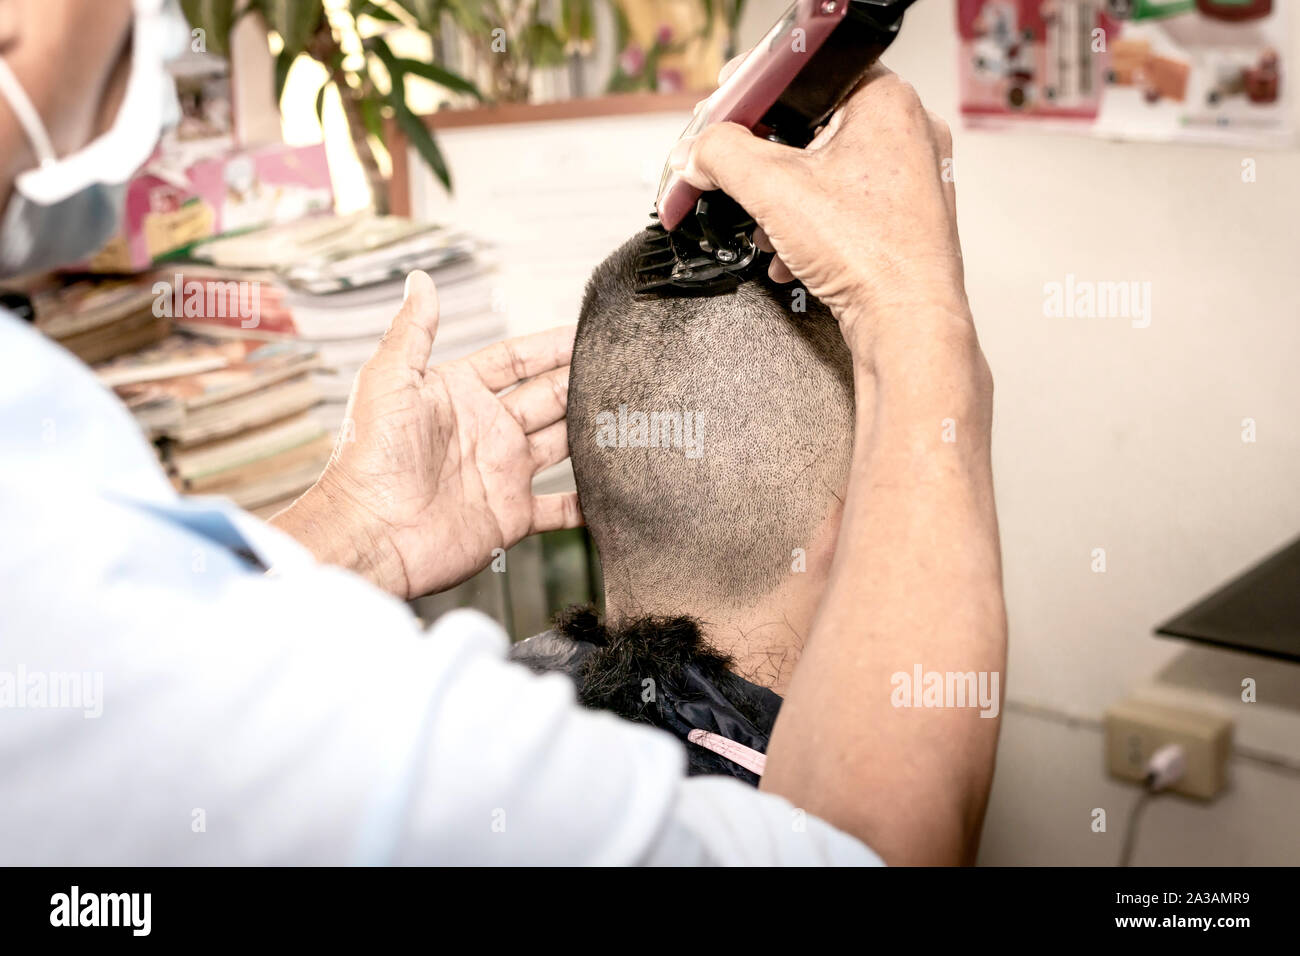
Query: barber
(252, 693)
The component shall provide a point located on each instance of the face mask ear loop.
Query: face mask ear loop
(22, 106)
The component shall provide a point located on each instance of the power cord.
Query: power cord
(1164, 769)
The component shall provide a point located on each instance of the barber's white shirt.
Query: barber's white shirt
(164, 701)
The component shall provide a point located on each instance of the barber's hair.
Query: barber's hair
(710, 436)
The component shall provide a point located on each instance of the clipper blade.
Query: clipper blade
(677, 263)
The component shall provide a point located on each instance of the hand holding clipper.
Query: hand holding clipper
(784, 91)
(865, 218)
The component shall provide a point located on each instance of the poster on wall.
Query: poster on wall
(1209, 71)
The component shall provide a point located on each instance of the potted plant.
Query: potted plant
(510, 38)
(369, 78)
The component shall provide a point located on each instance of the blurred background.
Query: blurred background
(1146, 450)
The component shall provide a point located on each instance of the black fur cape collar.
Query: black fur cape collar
(659, 671)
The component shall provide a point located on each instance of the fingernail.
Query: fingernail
(680, 154)
(417, 283)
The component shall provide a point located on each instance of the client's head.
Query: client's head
(710, 439)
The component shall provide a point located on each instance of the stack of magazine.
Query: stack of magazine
(335, 283)
(238, 360)
(230, 417)
(96, 320)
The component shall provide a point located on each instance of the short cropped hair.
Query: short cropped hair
(710, 436)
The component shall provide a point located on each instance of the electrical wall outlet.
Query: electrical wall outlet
(1135, 729)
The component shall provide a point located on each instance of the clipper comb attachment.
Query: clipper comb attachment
(713, 251)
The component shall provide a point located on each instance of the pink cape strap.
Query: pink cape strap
(747, 757)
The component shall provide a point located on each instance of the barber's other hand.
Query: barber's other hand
(434, 468)
(864, 217)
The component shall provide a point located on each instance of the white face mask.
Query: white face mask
(67, 208)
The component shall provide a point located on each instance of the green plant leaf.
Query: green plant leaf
(423, 141)
(427, 13)
(214, 18)
(368, 8)
(282, 64)
(410, 124)
(737, 11)
(620, 82)
(577, 27)
(622, 29)
(294, 20)
(650, 73)
(372, 117)
(440, 75)
(473, 16)
(543, 46)
(380, 48)
(320, 103)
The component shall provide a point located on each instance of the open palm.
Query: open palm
(439, 461)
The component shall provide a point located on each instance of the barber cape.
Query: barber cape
(660, 671)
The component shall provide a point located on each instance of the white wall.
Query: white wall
(555, 198)
(1106, 436)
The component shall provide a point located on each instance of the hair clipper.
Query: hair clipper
(785, 90)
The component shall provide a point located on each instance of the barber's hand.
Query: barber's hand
(434, 469)
(864, 217)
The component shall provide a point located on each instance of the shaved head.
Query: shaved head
(710, 436)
